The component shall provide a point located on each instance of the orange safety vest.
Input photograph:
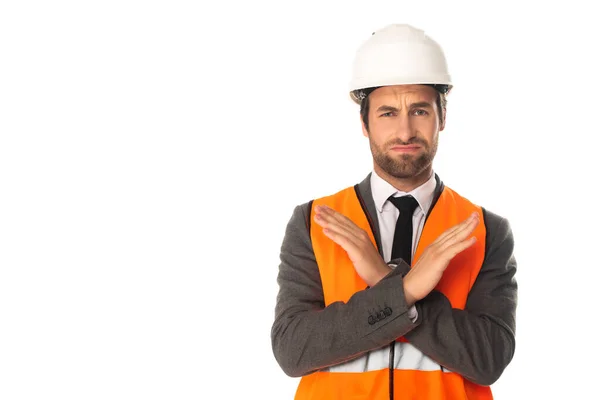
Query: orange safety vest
(415, 375)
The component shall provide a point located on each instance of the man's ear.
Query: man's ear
(364, 128)
(443, 122)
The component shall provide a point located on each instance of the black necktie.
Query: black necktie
(402, 247)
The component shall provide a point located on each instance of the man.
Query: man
(397, 287)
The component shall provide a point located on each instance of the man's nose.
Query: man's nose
(404, 128)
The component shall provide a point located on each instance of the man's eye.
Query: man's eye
(387, 114)
(420, 112)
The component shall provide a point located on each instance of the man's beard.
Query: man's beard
(405, 165)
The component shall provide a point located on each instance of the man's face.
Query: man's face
(403, 130)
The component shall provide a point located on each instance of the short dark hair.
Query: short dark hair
(441, 101)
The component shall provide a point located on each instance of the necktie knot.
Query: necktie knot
(406, 204)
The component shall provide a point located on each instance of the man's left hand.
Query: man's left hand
(366, 259)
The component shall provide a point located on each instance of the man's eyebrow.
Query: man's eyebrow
(385, 108)
(420, 104)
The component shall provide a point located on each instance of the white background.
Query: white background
(151, 154)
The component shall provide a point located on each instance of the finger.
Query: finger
(456, 229)
(341, 239)
(451, 251)
(331, 225)
(335, 220)
(341, 219)
(453, 229)
(460, 234)
(325, 218)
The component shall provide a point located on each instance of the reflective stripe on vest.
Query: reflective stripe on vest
(416, 376)
(406, 356)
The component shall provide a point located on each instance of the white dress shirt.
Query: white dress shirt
(387, 214)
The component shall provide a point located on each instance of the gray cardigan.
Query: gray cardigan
(477, 342)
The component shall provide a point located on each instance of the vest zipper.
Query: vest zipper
(391, 369)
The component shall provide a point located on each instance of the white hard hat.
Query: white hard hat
(398, 54)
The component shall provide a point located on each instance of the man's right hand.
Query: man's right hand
(427, 272)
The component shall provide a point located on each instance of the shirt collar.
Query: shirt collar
(382, 190)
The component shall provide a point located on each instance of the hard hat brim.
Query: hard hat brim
(358, 95)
